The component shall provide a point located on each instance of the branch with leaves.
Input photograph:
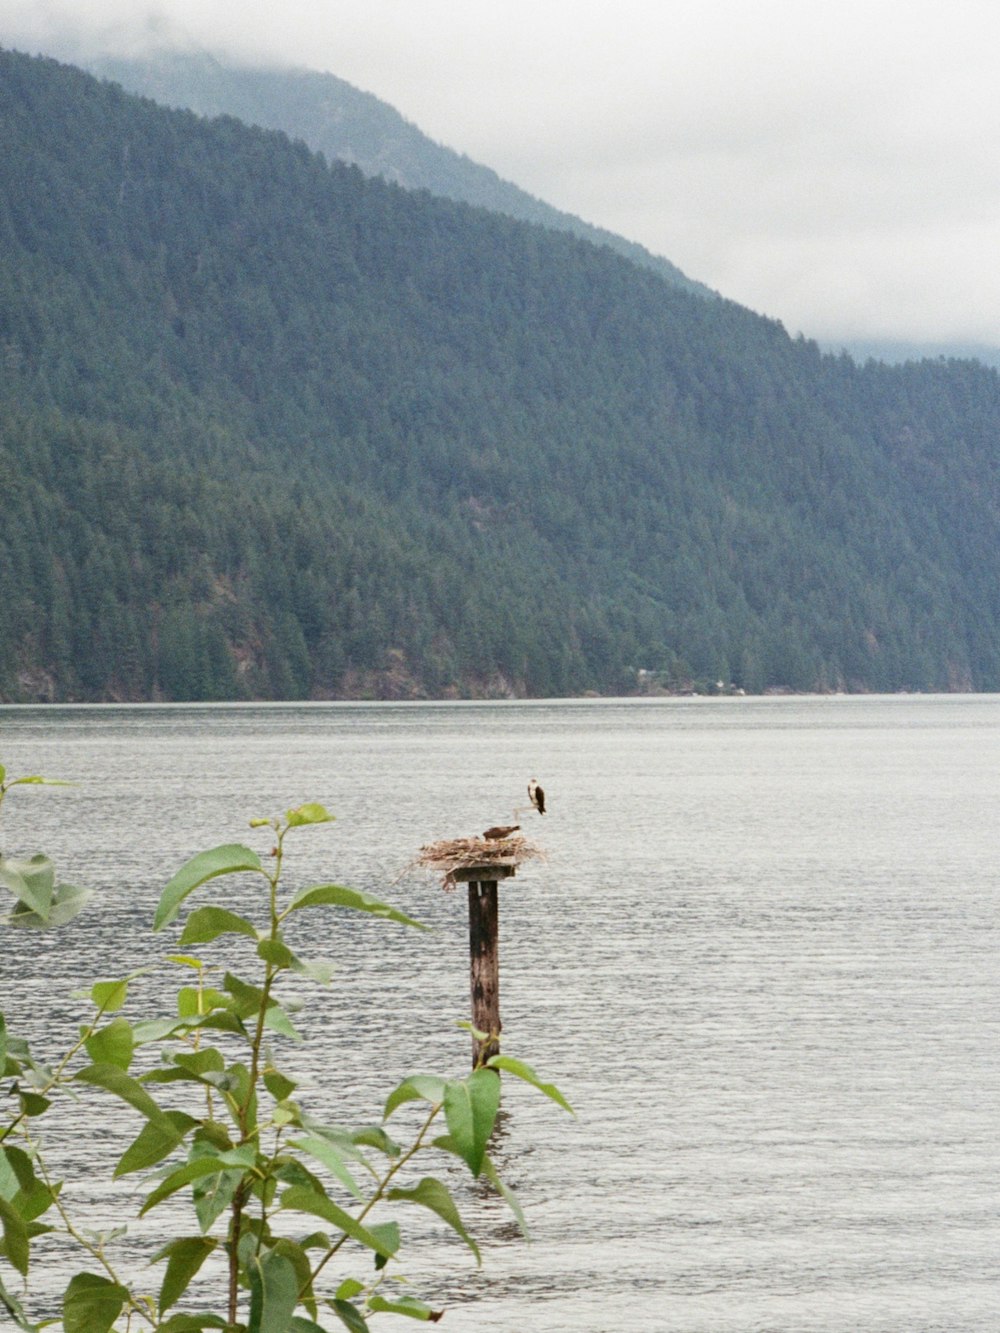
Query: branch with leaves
(275, 1192)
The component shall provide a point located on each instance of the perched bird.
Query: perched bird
(536, 796)
(499, 831)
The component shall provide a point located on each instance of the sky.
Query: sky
(832, 165)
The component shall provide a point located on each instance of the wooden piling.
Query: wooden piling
(481, 863)
(484, 955)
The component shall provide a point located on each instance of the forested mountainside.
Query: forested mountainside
(270, 428)
(345, 124)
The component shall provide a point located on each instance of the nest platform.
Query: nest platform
(460, 860)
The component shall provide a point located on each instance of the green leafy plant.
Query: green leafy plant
(298, 1216)
(26, 1193)
(40, 901)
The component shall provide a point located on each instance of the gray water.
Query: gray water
(760, 960)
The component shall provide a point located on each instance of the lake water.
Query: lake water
(761, 960)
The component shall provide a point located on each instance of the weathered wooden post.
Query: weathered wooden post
(481, 863)
(484, 954)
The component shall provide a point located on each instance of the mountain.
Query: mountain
(344, 124)
(348, 125)
(270, 428)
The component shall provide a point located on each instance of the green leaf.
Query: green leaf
(310, 813)
(300, 1199)
(430, 1193)
(234, 1082)
(196, 1001)
(406, 1305)
(336, 895)
(199, 1062)
(223, 1021)
(316, 969)
(13, 1306)
(9, 1183)
(17, 1049)
(275, 952)
(161, 1075)
(92, 1303)
(287, 1170)
(342, 1139)
(418, 1087)
(324, 1151)
(490, 1171)
(183, 1175)
(212, 1136)
(112, 1045)
(32, 1103)
(15, 1236)
(227, 860)
(207, 923)
(523, 1071)
(278, 1085)
(274, 1293)
(470, 1108)
(248, 998)
(157, 1139)
(209, 1163)
(299, 1324)
(32, 882)
(28, 1196)
(115, 1080)
(243, 1155)
(374, 1136)
(390, 1235)
(213, 1196)
(34, 1197)
(348, 1288)
(299, 1259)
(184, 1258)
(66, 902)
(276, 1020)
(20, 1171)
(148, 1030)
(349, 1315)
(109, 996)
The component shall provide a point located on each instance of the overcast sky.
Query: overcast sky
(836, 166)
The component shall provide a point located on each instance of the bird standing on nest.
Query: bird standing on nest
(499, 831)
(536, 796)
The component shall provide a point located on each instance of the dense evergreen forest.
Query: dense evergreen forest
(345, 124)
(270, 428)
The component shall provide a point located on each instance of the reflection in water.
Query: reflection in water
(760, 961)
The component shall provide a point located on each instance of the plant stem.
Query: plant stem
(234, 1254)
(240, 1198)
(380, 1190)
(55, 1076)
(95, 1251)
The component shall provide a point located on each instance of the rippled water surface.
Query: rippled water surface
(761, 960)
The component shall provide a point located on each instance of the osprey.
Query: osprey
(499, 831)
(536, 796)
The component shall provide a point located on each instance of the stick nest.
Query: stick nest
(444, 858)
